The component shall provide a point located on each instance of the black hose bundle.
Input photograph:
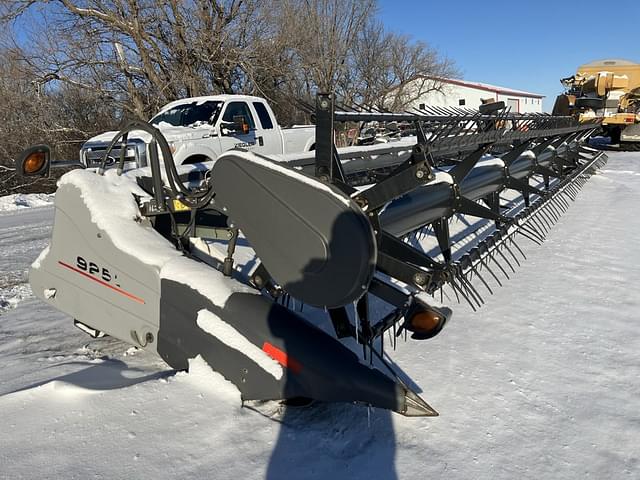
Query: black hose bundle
(193, 198)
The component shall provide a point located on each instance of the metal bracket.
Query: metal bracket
(403, 180)
(328, 166)
(402, 271)
(462, 169)
(522, 186)
(512, 155)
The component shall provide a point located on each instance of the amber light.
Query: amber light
(424, 322)
(34, 162)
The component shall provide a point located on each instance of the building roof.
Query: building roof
(491, 88)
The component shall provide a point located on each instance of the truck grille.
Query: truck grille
(91, 155)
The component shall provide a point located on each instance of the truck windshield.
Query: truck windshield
(189, 114)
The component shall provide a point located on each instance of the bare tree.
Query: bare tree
(320, 34)
(32, 112)
(141, 54)
(391, 71)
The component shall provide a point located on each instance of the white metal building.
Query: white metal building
(462, 93)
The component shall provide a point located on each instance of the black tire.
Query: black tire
(630, 146)
(614, 133)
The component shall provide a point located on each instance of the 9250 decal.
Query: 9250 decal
(94, 269)
(101, 275)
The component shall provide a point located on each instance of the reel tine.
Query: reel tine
(560, 203)
(464, 282)
(504, 242)
(569, 194)
(446, 295)
(571, 187)
(539, 224)
(544, 214)
(451, 282)
(471, 289)
(561, 200)
(554, 207)
(477, 274)
(513, 241)
(532, 232)
(547, 209)
(455, 287)
(533, 239)
(505, 259)
(543, 219)
(551, 213)
(490, 271)
(532, 217)
(555, 215)
(500, 266)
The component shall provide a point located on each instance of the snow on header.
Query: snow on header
(214, 325)
(207, 281)
(43, 254)
(114, 210)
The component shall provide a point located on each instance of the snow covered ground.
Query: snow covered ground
(21, 200)
(542, 382)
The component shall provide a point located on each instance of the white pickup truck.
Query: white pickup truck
(199, 129)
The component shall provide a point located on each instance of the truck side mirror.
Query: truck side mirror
(239, 125)
(242, 125)
(35, 161)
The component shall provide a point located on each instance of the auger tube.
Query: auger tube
(427, 204)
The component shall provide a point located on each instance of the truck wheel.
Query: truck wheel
(614, 133)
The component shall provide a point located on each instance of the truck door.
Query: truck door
(270, 138)
(232, 134)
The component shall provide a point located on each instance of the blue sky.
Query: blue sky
(522, 44)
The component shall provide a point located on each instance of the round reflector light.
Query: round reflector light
(34, 162)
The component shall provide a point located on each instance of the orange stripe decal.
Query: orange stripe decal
(282, 358)
(105, 284)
